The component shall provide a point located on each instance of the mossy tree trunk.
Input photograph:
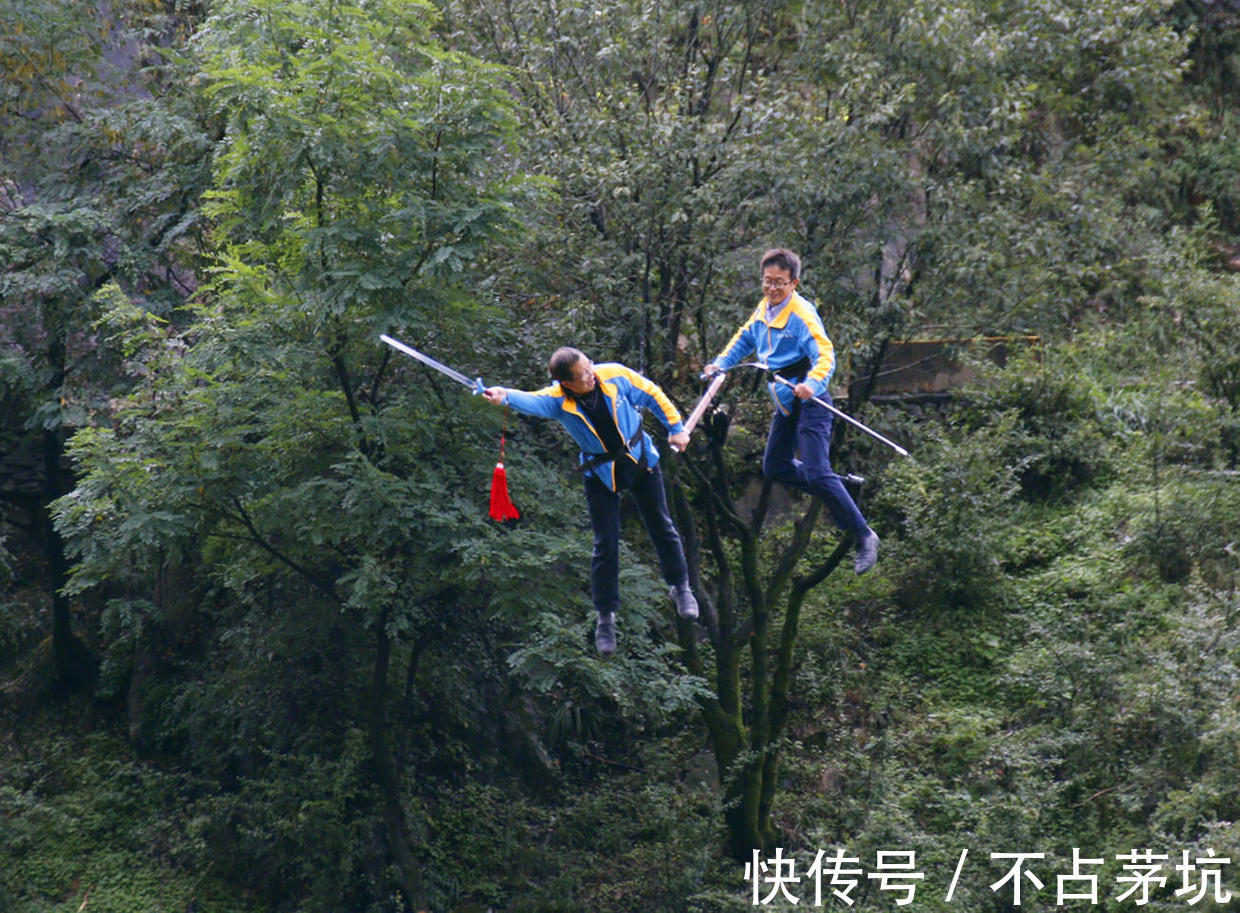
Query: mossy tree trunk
(755, 608)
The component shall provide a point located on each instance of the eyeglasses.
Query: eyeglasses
(776, 283)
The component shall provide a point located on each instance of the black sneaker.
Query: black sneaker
(867, 552)
(686, 602)
(605, 634)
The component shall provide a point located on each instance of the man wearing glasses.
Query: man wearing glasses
(785, 333)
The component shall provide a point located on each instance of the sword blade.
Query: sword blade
(429, 362)
(846, 417)
(703, 403)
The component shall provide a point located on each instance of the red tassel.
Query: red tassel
(502, 507)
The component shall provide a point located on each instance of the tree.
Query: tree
(650, 121)
(295, 465)
(103, 165)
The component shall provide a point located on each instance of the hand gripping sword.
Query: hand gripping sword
(475, 385)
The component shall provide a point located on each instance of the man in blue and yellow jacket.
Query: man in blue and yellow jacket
(601, 406)
(785, 333)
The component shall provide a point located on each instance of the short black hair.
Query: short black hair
(562, 362)
(782, 258)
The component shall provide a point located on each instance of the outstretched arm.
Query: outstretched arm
(544, 402)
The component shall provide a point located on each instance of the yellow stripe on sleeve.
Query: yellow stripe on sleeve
(826, 350)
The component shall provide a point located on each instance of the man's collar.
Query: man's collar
(572, 402)
(775, 311)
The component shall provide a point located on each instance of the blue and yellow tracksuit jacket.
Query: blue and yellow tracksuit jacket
(794, 335)
(627, 393)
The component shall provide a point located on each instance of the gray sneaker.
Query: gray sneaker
(605, 634)
(867, 552)
(686, 602)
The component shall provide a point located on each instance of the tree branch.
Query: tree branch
(323, 586)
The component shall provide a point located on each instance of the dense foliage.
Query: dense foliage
(262, 649)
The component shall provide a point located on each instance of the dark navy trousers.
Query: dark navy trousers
(646, 487)
(798, 453)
